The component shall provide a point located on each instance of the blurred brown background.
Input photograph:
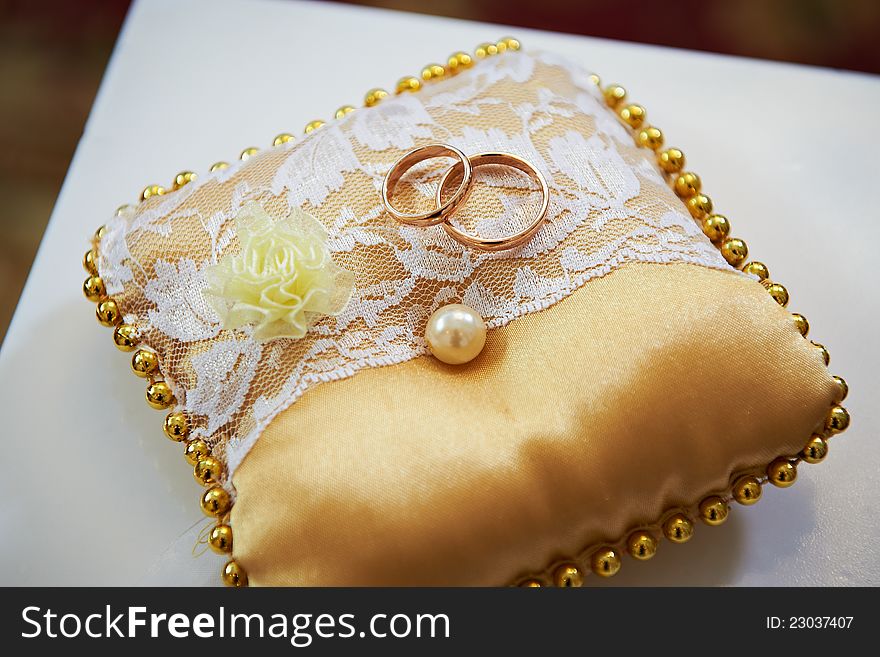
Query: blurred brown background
(53, 53)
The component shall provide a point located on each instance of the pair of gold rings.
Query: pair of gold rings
(463, 167)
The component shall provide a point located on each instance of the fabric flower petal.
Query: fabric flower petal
(281, 280)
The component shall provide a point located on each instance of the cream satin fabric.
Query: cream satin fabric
(645, 389)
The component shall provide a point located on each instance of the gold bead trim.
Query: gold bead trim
(216, 502)
(677, 525)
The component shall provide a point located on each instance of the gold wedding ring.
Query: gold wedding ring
(410, 159)
(507, 241)
(444, 209)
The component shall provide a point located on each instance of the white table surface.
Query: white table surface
(92, 493)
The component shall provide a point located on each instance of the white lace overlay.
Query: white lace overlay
(609, 205)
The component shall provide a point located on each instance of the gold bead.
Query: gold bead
(699, 205)
(374, 97)
(733, 249)
(220, 539)
(568, 576)
(343, 111)
(716, 227)
(671, 160)
(234, 575)
(248, 152)
(502, 47)
(159, 395)
(458, 61)
(614, 94)
(605, 562)
(122, 209)
(207, 470)
(453, 65)
(747, 490)
(409, 83)
(679, 528)
(779, 293)
(99, 234)
(283, 138)
(531, 584)
(801, 324)
(842, 389)
(714, 510)
(152, 190)
(837, 420)
(485, 50)
(633, 115)
(433, 72)
(215, 501)
(195, 450)
(93, 288)
(176, 427)
(125, 337)
(183, 178)
(107, 312)
(815, 450)
(641, 545)
(511, 43)
(219, 166)
(758, 269)
(826, 357)
(311, 126)
(595, 79)
(90, 262)
(144, 363)
(782, 472)
(650, 137)
(687, 185)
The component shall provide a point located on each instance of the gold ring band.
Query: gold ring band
(508, 241)
(405, 163)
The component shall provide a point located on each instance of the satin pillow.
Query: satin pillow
(633, 379)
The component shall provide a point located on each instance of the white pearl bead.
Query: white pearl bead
(455, 334)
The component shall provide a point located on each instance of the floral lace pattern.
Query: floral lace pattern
(609, 205)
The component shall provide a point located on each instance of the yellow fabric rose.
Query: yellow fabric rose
(281, 280)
